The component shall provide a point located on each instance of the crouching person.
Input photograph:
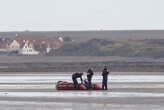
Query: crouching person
(74, 78)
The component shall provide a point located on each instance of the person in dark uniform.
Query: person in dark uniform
(89, 77)
(74, 78)
(105, 73)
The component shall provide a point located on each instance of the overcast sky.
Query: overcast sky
(54, 15)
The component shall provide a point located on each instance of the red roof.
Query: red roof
(39, 41)
(4, 45)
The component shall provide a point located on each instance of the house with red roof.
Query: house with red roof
(14, 45)
(40, 43)
(3, 46)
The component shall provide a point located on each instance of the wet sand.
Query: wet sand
(126, 92)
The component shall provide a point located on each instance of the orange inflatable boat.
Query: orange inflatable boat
(62, 85)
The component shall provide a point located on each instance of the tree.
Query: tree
(67, 39)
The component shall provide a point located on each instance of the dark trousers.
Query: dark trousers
(89, 82)
(104, 83)
(75, 83)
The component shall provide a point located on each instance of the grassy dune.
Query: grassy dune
(152, 48)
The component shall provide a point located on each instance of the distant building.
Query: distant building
(60, 39)
(14, 46)
(48, 49)
(3, 47)
(27, 48)
(40, 42)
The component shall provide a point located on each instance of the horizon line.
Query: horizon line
(85, 30)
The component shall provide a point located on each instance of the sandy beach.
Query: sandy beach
(28, 91)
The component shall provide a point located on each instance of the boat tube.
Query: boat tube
(62, 85)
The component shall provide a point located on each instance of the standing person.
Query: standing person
(74, 78)
(105, 73)
(89, 77)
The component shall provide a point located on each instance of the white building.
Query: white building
(60, 39)
(28, 49)
(48, 49)
(13, 46)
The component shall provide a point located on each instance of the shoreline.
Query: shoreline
(81, 66)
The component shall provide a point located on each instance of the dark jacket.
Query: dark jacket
(77, 75)
(105, 73)
(90, 73)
